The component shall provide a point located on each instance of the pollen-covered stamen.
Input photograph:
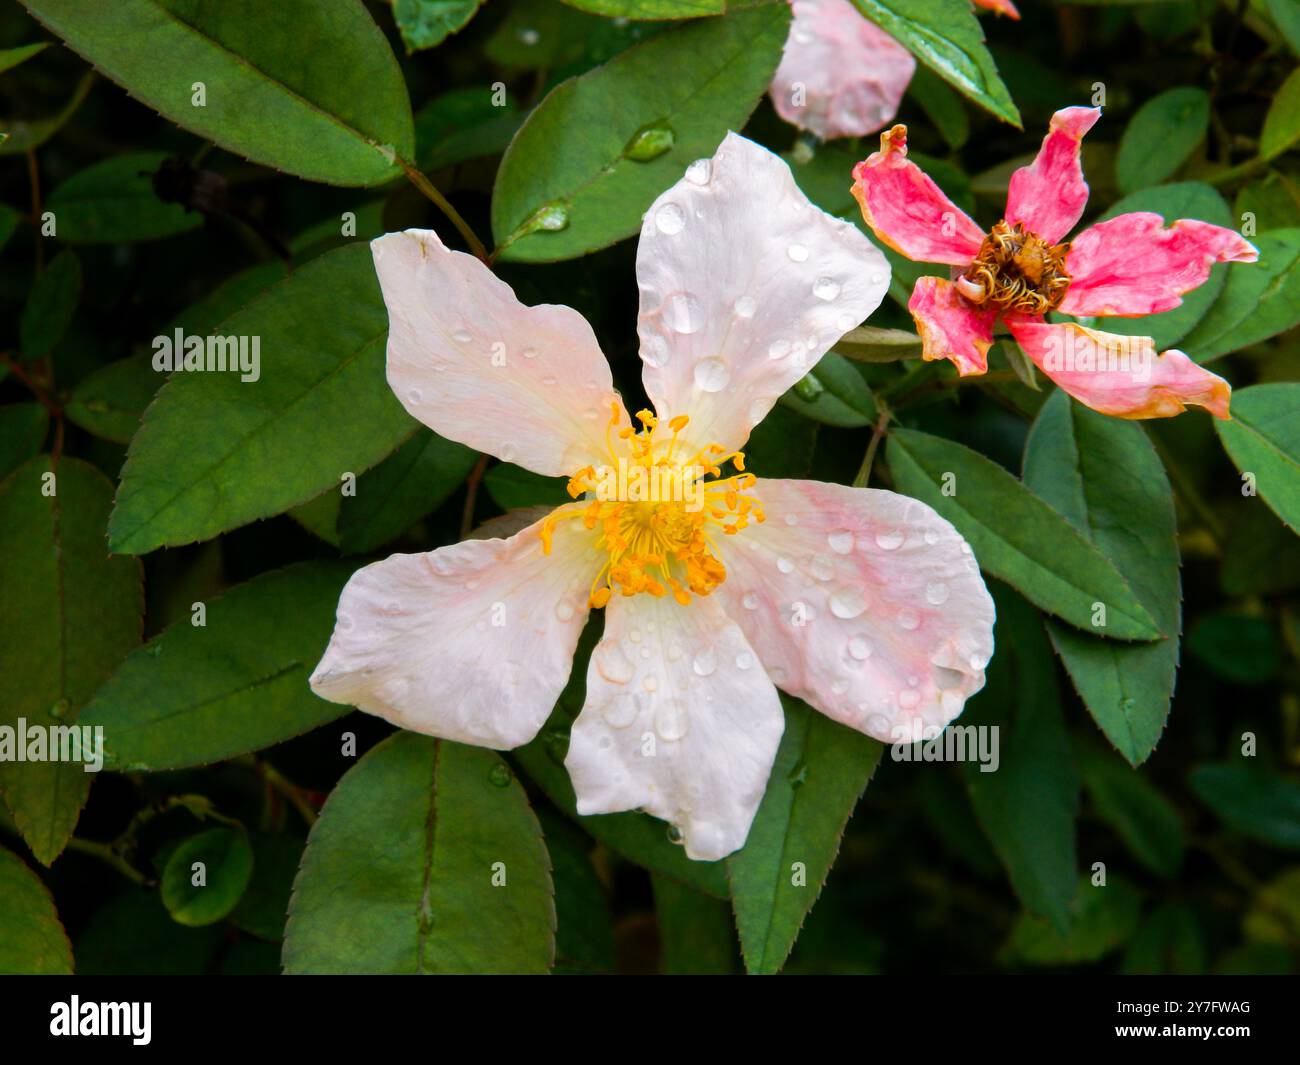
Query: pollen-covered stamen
(657, 517)
(1016, 270)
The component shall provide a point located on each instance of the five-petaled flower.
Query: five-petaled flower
(864, 603)
(841, 75)
(1129, 266)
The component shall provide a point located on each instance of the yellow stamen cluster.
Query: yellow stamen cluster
(667, 546)
(1016, 270)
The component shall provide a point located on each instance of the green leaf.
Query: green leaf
(650, 9)
(203, 693)
(9, 219)
(946, 36)
(695, 933)
(942, 106)
(1258, 803)
(113, 202)
(1017, 537)
(156, 946)
(265, 904)
(1286, 15)
(1167, 941)
(1240, 648)
(584, 928)
(1161, 136)
(1103, 918)
(50, 306)
(204, 315)
(833, 393)
(1188, 199)
(112, 400)
(70, 614)
(26, 136)
(412, 482)
(425, 859)
(11, 57)
(32, 941)
(320, 409)
(427, 23)
(513, 486)
(206, 876)
(1026, 801)
(306, 86)
(1104, 476)
(1147, 822)
(1263, 440)
(781, 445)
(22, 431)
(1282, 123)
(567, 185)
(820, 771)
(871, 344)
(1260, 300)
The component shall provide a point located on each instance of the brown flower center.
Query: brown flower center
(1016, 270)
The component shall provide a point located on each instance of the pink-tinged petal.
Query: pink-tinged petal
(998, 7)
(527, 384)
(840, 75)
(680, 721)
(1119, 375)
(951, 328)
(744, 286)
(1049, 195)
(908, 211)
(472, 642)
(1135, 265)
(864, 603)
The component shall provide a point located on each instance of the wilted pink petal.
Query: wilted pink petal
(680, 721)
(1000, 7)
(1119, 375)
(526, 384)
(950, 327)
(745, 285)
(1049, 195)
(840, 75)
(908, 211)
(472, 642)
(1136, 265)
(864, 603)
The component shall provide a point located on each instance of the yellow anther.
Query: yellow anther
(679, 423)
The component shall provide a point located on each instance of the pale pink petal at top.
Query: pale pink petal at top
(680, 721)
(526, 384)
(1119, 375)
(908, 211)
(744, 286)
(864, 603)
(1000, 7)
(951, 328)
(1049, 195)
(840, 75)
(1135, 265)
(472, 642)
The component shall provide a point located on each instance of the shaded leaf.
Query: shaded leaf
(1263, 440)
(206, 876)
(1161, 136)
(113, 202)
(33, 941)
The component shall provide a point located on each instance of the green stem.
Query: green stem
(105, 853)
(417, 178)
(868, 460)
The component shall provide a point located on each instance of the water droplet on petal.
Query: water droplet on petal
(564, 610)
(784, 564)
(712, 375)
(621, 710)
(671, 721)
(908, 620)
(750, 601)
(778, 349)
(682, 313)
(936, 592)
(649, 682)
(908, 699)
(530, 353)
(699, 172)
(847, 603)
(746, 306)
(931, 537)
(823, 569)
(889, 539)
(826, 288)
(860, 648)
(705, 663)
(841, 541)
(798, 253)
(744, 660)
(414, 396)
(613, 664)
(461, 336)
(670, 219)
